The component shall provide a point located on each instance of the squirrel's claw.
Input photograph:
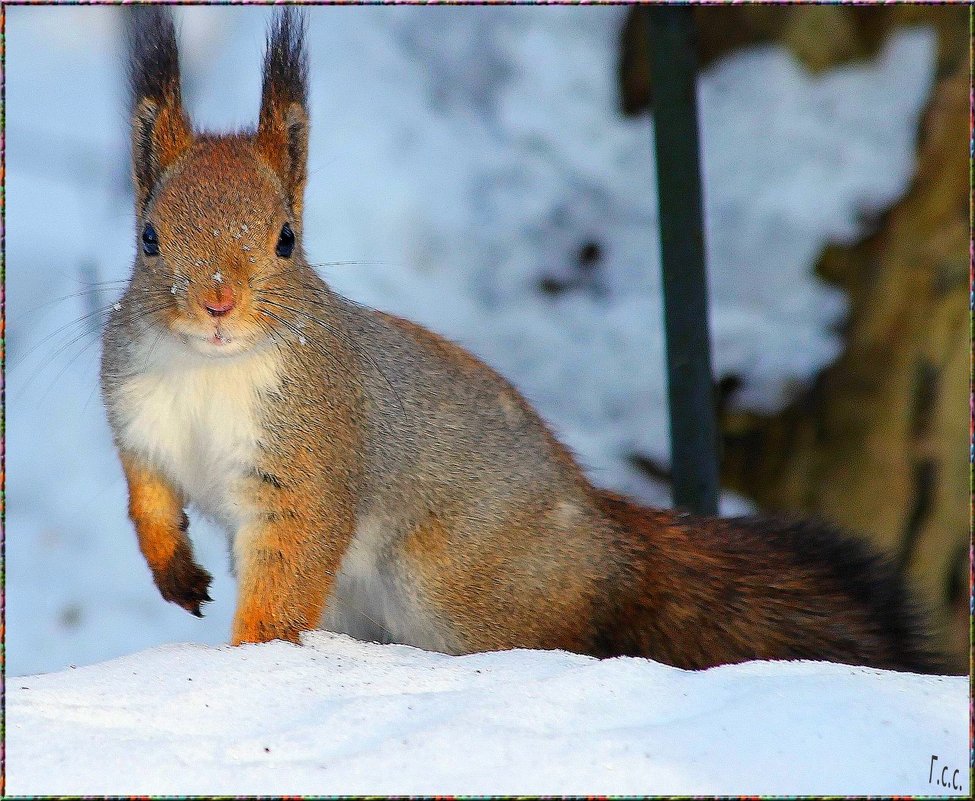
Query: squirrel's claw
(184, 583)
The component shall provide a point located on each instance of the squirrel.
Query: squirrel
(378, 480)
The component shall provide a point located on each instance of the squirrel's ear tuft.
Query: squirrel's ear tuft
(160, 129)
(282, 131)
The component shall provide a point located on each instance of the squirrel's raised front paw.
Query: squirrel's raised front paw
(184, 583)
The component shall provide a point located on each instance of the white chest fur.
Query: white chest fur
(198, 421)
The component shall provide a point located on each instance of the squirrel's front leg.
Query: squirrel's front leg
(286, 566)
(156, 509)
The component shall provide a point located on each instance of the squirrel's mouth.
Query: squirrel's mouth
(216, 340)
(218, 346)
(220, 338)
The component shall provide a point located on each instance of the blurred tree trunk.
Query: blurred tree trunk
(880, 443)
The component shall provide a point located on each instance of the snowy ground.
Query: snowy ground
(339, 716)
(460, 157)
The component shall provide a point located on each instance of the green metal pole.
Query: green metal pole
(693, 431)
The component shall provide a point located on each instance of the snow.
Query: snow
(339, 716)
(459, 157)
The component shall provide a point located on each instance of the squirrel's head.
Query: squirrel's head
(218, 217)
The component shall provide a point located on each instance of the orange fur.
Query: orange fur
(157, 513)
(171, 133)
(286, 569)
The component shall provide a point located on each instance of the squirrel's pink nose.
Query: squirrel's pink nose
(219, 309)
(221, 305)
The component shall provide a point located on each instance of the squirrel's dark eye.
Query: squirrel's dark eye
(150, 244)
(286, 242)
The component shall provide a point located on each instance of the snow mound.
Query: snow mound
(341, 716)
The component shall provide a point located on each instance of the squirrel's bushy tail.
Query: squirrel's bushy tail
(718, 590)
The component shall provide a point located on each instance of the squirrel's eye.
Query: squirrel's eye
(150, 244)
(286, 242)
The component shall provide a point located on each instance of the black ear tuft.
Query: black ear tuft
(160, 130)
(153, 54)
(285, 61)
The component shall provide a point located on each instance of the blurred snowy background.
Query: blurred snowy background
(471, 170)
